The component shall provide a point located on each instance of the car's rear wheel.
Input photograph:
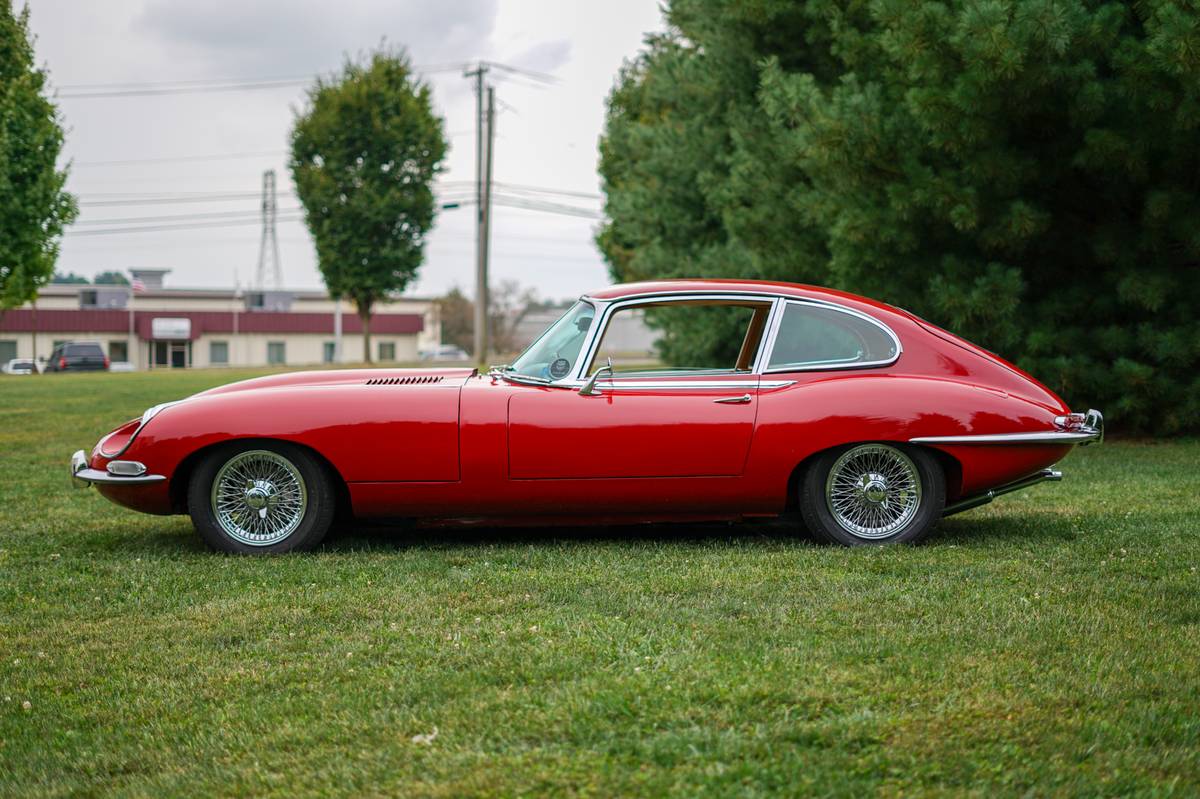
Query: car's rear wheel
(872, 494)
(261, 498)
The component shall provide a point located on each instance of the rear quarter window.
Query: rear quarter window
(820, 337)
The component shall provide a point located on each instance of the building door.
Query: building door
(171, 354)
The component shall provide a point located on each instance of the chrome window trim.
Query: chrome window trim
(674, 385)
(826, 367)
(610, 307)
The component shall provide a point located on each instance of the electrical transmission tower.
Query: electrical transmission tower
(268, 249)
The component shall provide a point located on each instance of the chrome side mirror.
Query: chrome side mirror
(589, 388)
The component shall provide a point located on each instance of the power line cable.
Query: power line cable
(180, 158)
(185, 226)
(522, 187)
(548, 207)
(93, 90)
(176, 217)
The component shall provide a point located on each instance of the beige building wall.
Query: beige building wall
(243, 349)
(300, 349)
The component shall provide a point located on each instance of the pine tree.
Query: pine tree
(1024, 172)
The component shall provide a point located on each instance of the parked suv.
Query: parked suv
(77, 356)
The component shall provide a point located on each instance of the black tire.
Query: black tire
(317, 504)
(911, 526)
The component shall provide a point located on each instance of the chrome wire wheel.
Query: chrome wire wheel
(873, 491)
(259, 497)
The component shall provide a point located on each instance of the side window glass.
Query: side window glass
(682, 337)
(812, 337)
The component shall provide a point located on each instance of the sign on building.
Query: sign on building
(168, 328)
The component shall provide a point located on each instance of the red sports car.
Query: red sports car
(869, 421)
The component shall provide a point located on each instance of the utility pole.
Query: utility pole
(486, 246)
(481, 317)
(268, 237)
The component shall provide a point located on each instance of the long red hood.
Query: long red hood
(344, 377)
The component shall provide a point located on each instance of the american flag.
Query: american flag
(138, 286)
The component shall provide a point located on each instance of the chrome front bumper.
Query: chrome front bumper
(82, 476)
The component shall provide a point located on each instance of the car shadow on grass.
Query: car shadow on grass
(983, 531)
(788, 529)
(407, 536)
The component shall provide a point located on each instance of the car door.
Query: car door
(634, 426)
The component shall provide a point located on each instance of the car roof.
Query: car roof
(707, 285)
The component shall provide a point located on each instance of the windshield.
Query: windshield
(552, 356)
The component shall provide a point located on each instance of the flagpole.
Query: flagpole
(132, 354)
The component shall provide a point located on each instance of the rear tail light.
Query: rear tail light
(62, 363)
(105, 361)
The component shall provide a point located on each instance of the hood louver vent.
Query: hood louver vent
(403, 381)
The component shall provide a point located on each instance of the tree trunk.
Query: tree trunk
(33, 307)
(364, 314)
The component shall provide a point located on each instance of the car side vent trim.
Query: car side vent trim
(404, 381)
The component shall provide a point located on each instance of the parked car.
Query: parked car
(868, 420)
(20, 366)
(77, 356)
(444, 353)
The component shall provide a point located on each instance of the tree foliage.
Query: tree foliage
(1024, 172)
(34, 209)
(111, 278)
(365, 152)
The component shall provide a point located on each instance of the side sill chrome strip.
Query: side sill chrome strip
(1048, 437)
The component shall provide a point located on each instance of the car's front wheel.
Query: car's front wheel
(261, 498)
(872, 494)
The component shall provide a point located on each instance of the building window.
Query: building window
(87, 298)
(276, 352)
(8, 350)
(387, 350)
(218, 352)
(118, 351)
(329, 352)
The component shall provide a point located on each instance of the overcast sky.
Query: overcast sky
(547, 136)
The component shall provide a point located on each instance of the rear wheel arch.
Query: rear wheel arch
(951, 468)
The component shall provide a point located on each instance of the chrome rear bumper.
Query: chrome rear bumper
(82, 476)
(1074, 428)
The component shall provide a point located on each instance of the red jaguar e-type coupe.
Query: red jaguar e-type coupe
(870, 421)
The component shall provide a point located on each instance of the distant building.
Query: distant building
(157, 327)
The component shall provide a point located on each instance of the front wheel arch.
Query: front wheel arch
(182, 477)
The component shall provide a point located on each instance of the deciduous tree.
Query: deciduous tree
(34, 208)
(365, 151)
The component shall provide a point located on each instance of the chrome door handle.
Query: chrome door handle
(742, 400)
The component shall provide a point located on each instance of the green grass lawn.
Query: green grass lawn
(1047, 644)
